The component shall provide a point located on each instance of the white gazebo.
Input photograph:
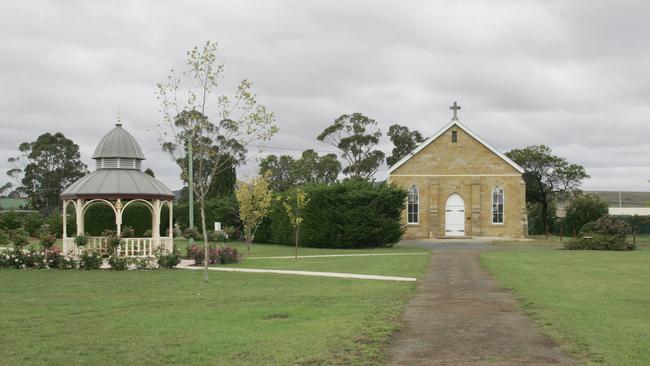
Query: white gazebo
(118, 182)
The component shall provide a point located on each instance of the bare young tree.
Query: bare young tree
(219, 127)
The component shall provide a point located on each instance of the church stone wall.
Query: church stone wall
(471, 170)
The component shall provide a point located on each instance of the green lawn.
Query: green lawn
(271, 250)
(595, 303)
(173, 317)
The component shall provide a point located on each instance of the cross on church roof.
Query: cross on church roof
(455, 109)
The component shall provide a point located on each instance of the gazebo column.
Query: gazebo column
(170, 206)
(118, 216)
(79, 210)
(155, 231)
(65, 220)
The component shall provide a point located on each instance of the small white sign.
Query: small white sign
(217, 226)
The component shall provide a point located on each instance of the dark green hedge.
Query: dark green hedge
(223, 209)
(350, 214)
(100, 217)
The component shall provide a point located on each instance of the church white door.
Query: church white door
(455, 216)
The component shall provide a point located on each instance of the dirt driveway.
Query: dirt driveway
(462, 317)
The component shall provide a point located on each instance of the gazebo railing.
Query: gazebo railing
(130, 247)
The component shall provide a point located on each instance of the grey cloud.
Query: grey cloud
(571, 75)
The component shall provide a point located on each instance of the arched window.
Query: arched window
(497, 205)
(413, 206)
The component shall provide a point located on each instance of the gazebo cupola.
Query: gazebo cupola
(119, 182)
(118, 150)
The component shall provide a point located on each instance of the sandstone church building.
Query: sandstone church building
(460, 186)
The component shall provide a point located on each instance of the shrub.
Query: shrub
(19, 238)
(81, 240)
(90, 261)
(607, 233)
(216, 255)
(216, 237)
(118, 263)
(190, 233)
(588, 228)
(33, 223)
(113, 242)
(170, 260)
(127, 232)
(147, 233)
(350, 214)
(59, 261)
(19, 259)
(224, 255)
(584, 208)
(13, 259)
(46, 237)
(11, 220)
(223, 209)
(144, 263)
(4, 238)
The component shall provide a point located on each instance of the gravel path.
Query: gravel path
(461, 316)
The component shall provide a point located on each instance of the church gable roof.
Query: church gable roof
(457, 123)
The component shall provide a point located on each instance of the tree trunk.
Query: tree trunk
(297, 232)
(545, 216)
(205, 238)
(248, 245)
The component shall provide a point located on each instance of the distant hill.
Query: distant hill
(7, 204)
(628, 199)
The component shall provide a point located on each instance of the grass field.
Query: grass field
(594, 303)
(172, 317)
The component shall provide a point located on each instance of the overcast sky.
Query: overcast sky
(574, 75)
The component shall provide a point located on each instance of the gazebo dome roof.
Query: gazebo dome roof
(118, 175)
(118, 144)
(117, 183)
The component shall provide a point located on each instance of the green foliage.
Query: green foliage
(118, 263)
(58, 261)
(216, 255)
(127, 232)
(55, 221)
(588, 228)
(81, 240)
(99, 217)
(46, 237)
(190, 233)
(144, 263)
(223, 184)
(52, 163)
(222, 209)
(608, 233)
(4, 238)
(19, 237)
(113, 242)
(90, 261)
(284, 172)
(351, 214)
(32, 223)
(584, 208)
(11, 220)
(356, 136)
(536, 224)
(404, 142)
(547, 176)
(170, 260)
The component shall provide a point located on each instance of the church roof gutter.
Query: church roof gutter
(469, 132)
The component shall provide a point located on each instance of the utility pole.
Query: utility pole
(620, 199)
(190, 166)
